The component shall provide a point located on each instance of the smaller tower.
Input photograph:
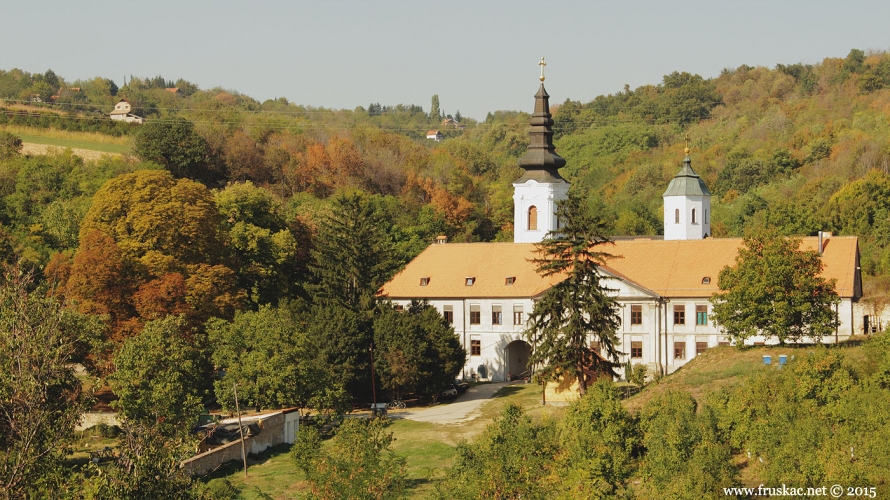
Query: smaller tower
(536, 193)
(687, 205)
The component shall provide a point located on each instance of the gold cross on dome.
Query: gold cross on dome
(542, 64)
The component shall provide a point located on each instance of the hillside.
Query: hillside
(728, 367)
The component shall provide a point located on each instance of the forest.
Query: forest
(237, 235)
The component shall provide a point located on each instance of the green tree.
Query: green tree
(10, 145)
(774, 290)
(578, 309)
(267, 356)
(514, 458)
(358, 464)
(597, 437)
(147, 466)
(265, 251)
(416, 350)
(159, 377)
(159, 223)
(435, 114)
(40, 398)
(684, 457)
(176, 145)
(353, 253)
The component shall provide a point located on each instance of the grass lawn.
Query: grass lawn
(68, 139)
(428, 450)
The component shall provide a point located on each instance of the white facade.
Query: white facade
(534, 209)
(687, 217)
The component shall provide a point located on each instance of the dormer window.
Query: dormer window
(706, 280)
(470, 281)
(510, 280)
(424, 281)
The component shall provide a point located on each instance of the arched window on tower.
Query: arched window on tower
(532, 218)
(693, 216)
(677, 216)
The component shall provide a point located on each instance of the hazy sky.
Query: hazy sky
(479, 56)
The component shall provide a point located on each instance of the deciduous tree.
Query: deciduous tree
(775, 290)
(40, 398)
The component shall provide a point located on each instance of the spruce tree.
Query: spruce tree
(578, 309)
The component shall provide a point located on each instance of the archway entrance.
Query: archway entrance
(517, 354)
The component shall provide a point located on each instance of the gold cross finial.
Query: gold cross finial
(687, 145)
(542, 64)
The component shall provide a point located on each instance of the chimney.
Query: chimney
(824, 236)
(441, 239)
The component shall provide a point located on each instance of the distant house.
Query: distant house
(174, 91)
(449, 122)
(122, 113)
(435, 135)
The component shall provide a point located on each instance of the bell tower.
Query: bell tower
(537, 192)
(687, 205)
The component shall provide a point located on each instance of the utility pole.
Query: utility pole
(373, 385)
(240, 428)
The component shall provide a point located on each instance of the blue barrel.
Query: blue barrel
(767, 360)
(783, 359)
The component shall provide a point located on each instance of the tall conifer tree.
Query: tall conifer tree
(578, 309)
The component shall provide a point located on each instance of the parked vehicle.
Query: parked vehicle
(461, 386)
(449, 393)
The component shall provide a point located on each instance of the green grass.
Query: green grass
(725, 366)
(428, 450)
(68, 139)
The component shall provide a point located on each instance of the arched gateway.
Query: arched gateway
(516, 355)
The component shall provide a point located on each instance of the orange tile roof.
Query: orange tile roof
(667, 268)
(449, 265)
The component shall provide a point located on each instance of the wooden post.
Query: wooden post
(240, 428)
(373, 385)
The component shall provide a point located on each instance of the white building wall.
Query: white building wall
(493, 338)
(544, 197)
(686, 229)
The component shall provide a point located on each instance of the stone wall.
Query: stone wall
(274, 426)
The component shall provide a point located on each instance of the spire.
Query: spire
(541, 163)
(687, 182)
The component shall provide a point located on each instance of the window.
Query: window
(470, 281)
(700, 347)
(707, 221)
(679, 315)
(424, 281)
(636, 349)
(475, 347)
(723, 343)
(693, 216)
(399, 307)
(595, 346)
(517, 315)
(679, 350)
(677, 216)
(510, 280)
(475, 314)
(532, 218)
(497, 317)
(636, 314)
(701, 315)
(448, 314)
(706, 280)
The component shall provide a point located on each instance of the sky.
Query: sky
(478, 56)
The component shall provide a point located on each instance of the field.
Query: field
(86, 141)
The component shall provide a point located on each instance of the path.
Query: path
(462, 409)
